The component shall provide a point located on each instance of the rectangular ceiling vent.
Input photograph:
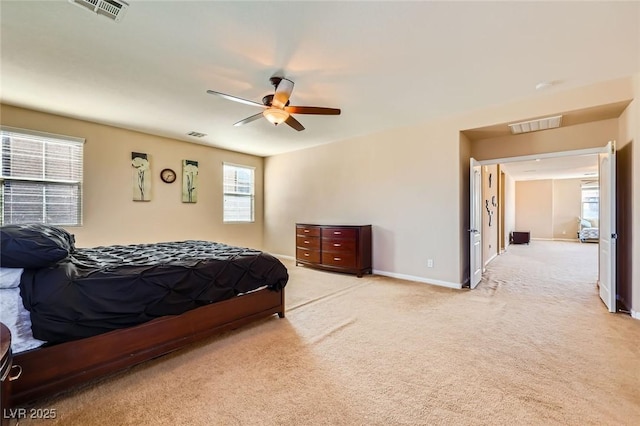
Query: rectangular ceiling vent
(535, 125)
(197, 134)
(112, 9)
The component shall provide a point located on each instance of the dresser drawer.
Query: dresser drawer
(306, 255)
(347, 233)
(311, 231)
(339, 245)
(345, 260)
(308, 242)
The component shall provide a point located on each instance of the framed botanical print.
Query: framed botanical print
(141, 179)
(189, 181)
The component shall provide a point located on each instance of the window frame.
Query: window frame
(251, 194)
(583, 203)
(77, 184)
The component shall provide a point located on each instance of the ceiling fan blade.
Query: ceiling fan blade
(249, 119)
(312, 110)
(235, 98)
(283, 92)
(294, 123)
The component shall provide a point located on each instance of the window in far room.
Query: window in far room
(238, 191)
(590, 203)
(41, 178)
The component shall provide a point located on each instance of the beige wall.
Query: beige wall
(534, 208)
(589, 135)
(465, 154)
(109, 214)
(548, 208)
(489, 225)
(567, 207)
(629, 129)
(409, 183)
(401, 181)
(510, 208)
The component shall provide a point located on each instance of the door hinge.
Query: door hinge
(614, 236)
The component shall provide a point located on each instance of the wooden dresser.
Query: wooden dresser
(340, 248)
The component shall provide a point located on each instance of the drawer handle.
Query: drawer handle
(15, 375)
(337, 244)
(306, 254)
(337, 233)
(306, 230)
(337, 258)
(306, 242)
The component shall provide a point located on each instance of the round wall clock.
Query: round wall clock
(168, 175)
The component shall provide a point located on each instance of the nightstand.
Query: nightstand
(520, 237)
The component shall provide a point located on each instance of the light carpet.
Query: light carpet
(533, 344)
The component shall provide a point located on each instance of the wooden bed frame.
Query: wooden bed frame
(50, 370)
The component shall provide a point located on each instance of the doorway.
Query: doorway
(566, 229)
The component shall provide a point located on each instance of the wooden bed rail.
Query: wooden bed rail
(50, 370)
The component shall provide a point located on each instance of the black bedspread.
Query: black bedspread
(106, 288)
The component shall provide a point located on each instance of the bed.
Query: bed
(98, 310)
(587, 232)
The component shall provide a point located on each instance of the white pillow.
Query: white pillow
(10, 277)
(585, 223)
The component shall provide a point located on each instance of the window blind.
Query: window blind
(238, 188)
(41, 178)
(590, 202)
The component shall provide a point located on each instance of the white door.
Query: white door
(475, 223)
(607, 237)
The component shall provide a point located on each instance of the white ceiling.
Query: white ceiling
(385, 64)
(571, 167)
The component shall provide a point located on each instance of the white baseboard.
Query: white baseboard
(490, 259)
(635, 314)
(283, 256)
(431, 281)
(395, 275)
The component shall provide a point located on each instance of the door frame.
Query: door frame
(501, 210)
(476, 264)
(587, 151)
(607, 227)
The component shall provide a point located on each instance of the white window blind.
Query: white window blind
(590, 202)
(41, 178)
(238, 182)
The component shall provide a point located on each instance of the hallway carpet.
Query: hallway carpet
(533, 344)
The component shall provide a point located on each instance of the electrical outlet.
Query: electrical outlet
(429, 263)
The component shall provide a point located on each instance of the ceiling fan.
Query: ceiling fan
(276, 107)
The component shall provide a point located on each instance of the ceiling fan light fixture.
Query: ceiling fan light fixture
(275, 115)
(276, 108)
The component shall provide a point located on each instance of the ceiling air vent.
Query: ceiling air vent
(197, 134)
(535, 125)
(112, 9)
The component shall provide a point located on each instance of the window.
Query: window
(41, 178)
(590, 202)
(238, 190)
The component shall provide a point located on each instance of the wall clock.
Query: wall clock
(168, 175)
